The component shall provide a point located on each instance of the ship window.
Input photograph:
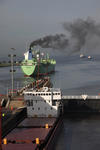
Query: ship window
(53, 103)
(51, 108)
(31, 102)
(28, 103)
(44, 101)
(38, 108)
(49, 93)
(46, 93)
(33, 108)
(33, 94)
(39, 94)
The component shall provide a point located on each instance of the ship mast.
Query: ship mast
(47, 63)
(38, 60)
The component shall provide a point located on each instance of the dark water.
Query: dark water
(79, 133)
(74, 76)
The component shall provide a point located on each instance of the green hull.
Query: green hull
(34, 69)
(36, 63)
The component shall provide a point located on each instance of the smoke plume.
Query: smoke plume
(84, 34)
(58, 41)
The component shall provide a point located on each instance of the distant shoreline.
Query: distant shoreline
(9, 64)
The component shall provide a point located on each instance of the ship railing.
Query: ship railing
(54, 89)
(84, 97)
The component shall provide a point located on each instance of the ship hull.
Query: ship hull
(41, 69)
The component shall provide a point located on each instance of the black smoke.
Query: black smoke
(58, 41)
(80, 35)
(85, 33)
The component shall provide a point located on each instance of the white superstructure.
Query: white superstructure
(26, 55)
(45, 102)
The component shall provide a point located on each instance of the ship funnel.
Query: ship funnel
(30, 54)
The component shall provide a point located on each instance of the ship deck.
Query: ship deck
(25, 134)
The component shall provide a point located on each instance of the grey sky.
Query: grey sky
(23, 21)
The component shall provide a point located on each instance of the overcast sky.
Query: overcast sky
(23, 21)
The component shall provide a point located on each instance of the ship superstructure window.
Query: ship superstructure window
(53, 103)
(29, 94)
(38, 108)
(31, 102)
(56, 93)
(28, 103)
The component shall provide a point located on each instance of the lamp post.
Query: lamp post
(12, 70)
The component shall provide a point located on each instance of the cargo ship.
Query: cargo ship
(42, 125)
(37, 63)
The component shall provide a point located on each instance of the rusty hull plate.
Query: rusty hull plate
(19, 147)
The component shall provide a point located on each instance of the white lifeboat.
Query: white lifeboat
(89, 57)
(82, 56)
